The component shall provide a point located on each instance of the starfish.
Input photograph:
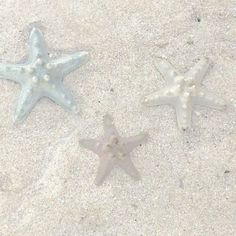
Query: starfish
(41, 76)
(184, 91)
(113, 150)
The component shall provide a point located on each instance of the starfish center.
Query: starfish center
(39, 73)
(185, 86)
(115, 148)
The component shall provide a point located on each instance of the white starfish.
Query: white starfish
(113, 150)
(40, 76)
(184, 91)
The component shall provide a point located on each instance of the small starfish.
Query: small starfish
(183, 92)
(40, 76)
(113, 150)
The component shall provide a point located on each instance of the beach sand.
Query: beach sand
(188, 184)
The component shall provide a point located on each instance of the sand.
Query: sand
(188, 184)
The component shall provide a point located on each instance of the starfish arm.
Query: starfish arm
(63, 98)
(11, 72)
(104, 169)
(161, 97)
(90, 144)
(27, 101)
(109, 127)
(107, 121)
(69, 63)
(209, 100)
(128, 166)
(166, 69)
(199, 70)
(134, 141)
(184, 115)
(37, 45)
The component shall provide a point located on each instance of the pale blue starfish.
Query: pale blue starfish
(41, 76)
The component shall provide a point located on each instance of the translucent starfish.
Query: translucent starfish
(113, 150)
(40, 76)
(184, 91)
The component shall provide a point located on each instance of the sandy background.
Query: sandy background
(188, 182)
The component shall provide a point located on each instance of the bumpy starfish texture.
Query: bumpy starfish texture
(41, 76)
(114, 150)
(183, 92)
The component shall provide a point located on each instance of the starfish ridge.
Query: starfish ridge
(40, 76)
(114, 150)
(184, 91)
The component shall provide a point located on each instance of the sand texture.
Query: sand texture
(188, 179)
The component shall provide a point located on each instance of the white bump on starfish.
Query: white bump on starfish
(30, 70)
(179, 79)
(49, 66)
(40, 67)
(113, 150)
(46, 78)
(35, 79)
(184, 91)
(233, 102)
(201, 94)
(39, 62)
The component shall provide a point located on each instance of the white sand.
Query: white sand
(188, 182)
